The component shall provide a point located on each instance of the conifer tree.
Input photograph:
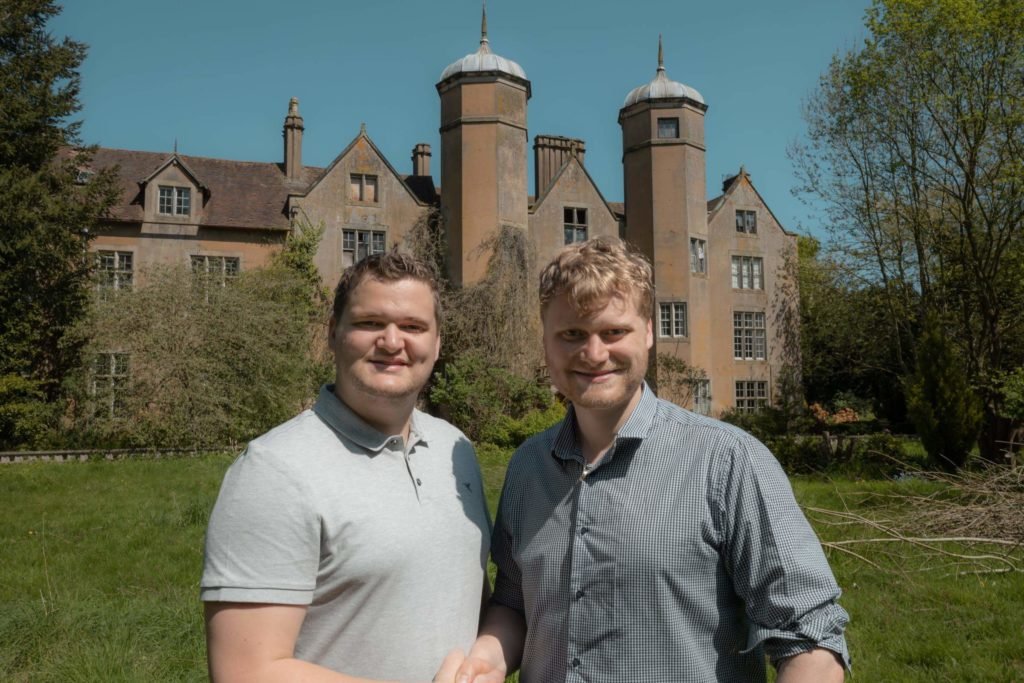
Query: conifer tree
(49, 205)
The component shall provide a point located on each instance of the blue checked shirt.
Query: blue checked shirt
(682, 556)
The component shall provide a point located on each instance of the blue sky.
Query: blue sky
(216, 75)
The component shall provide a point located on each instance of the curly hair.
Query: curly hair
(594, 271)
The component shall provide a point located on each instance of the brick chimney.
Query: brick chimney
(293, 141)
(550, 152)
(421, 159)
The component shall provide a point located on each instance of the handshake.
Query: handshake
(458, 668)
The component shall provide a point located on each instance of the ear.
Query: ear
(332, 330)
(650, 333)
(437, 348)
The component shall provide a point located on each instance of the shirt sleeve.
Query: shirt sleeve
(263, 540)
(777, 564)
(508, 585)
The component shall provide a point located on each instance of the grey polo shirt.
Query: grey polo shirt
(681, 557)
(385, 542)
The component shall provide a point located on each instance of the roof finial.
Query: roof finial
(483, 26)
(661, 56)
(293, 106)
(362, 128)
(175, 146)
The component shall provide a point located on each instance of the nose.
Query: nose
(390, 338)
(595, 351)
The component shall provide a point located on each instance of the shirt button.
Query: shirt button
(579, 594)
(575, 662)
(583, 531)
(418, 482)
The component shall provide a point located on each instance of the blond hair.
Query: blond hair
(594, 271)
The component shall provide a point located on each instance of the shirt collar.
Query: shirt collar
(637, 426)
(343, 420)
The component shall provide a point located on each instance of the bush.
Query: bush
(491, 404)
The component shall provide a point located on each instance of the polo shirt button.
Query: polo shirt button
(418, 482)
(575, 662)
(583, 531)
(579, 594)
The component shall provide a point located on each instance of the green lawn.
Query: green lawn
(101, 560)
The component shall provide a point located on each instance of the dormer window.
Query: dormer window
(175, 201)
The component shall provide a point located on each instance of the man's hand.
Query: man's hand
(477, 670)
(451, 663)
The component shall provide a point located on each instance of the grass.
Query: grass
(101, 561)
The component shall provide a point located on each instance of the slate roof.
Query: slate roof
(241, 194)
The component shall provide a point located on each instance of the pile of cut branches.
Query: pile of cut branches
(967, 523)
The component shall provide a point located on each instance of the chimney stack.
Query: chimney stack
(550, 152)
(421, 159)
(293, 141)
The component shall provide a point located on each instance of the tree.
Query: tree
(945, 411)
(678, 381)
(189, 360)
(49, 205)
(915, 145)
(840, 359)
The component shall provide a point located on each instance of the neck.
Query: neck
(388, 416)
(598, 426)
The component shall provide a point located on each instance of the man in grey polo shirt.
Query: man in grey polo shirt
(636, 541)
(350, 542)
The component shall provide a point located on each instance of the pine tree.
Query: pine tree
(49, 203)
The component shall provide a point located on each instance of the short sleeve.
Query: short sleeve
(263, 540)
(776, 561)
(508, 587)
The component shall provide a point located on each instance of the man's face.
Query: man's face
(597, 361)
(386, 341)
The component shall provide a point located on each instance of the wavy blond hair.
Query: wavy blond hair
(594, 271)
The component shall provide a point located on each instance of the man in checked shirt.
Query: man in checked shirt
(636, 541)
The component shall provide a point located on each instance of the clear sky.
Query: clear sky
(216, 75)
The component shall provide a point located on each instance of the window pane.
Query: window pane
(581, 234)
(370, 192)
(581, 216)
(356, 188)
(166, 200)
(231, 267)
(184, 203)
(569, 234)
(680, 319)
(378, 242)
(666, 319)
(348, 239)
(735, 273)
(567, 215)
(668, 128)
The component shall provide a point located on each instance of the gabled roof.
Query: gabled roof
(729, 186)
(554, 181)
(176, 160)
(416, 196)
(242, 194)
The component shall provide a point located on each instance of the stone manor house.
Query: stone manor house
(722, 293)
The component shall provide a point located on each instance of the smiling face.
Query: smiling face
(598, 359)
(385, 344)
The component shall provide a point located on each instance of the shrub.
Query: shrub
(491, 404)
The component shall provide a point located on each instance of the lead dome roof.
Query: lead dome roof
(662, 87)
(483, 59)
